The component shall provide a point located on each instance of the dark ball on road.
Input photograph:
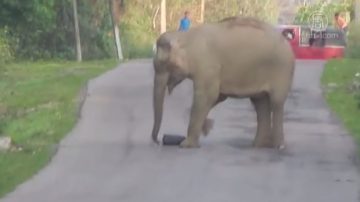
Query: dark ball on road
(172, 139)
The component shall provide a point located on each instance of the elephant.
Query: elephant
(237, 57)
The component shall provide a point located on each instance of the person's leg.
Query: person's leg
(345, 33)
(311, 39)
(323, 38)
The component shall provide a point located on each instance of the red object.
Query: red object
(333, 47)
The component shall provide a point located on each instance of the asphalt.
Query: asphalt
(108, 157)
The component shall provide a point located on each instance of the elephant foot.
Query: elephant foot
(268, 143)
(208, 125)
(263, 143)
(279, 145)
(189, 143)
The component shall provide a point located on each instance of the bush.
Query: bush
(353, 41)
(6, 53)
(140, 26)
(45, 29)
(137, 34)
(304, 12)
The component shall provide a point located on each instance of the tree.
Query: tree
(77, 32)
(357, 10)
(305, 12)
(115, 7)
(163, 16)
(202, 11)
(267, 10)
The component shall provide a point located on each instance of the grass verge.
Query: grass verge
(38, 107)
(341, 79)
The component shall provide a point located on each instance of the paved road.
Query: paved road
(109, 158)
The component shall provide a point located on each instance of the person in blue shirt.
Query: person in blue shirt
(185, 22)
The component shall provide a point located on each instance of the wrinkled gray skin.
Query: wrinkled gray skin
(236, 57)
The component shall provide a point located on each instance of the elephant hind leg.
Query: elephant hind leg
(277, 108)
(278, 125)
(263, 136)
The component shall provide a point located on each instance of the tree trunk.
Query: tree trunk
(163, 16)
(357, 11)
(116, 32)
(155, 16)
(202, 11)
(77, 32)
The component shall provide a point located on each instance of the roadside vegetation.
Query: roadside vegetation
(38, 106)
(341, 81)
(39, 86)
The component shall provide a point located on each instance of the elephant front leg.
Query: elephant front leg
(209, 123)
(203, 102)
(263, 136)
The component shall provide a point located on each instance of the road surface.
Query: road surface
(108, 157)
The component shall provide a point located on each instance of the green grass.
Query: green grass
(38, 106)
(341, 99)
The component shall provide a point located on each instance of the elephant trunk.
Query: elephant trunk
(160, 84)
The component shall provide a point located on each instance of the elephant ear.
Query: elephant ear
(171, 54)
(177, 56)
